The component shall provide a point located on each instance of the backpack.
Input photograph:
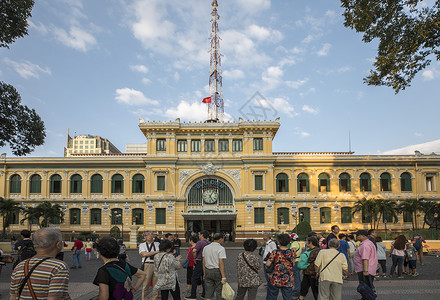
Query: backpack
(122, 288)
(418, 244)
(365, 291)
(303, 258)
(26, 251)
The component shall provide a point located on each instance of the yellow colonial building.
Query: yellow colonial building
(215, 176)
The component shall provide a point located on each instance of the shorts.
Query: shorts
(412, 264)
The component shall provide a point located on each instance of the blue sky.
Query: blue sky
(97, 69)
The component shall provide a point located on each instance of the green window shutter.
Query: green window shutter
(15, 184)
(138, 184)
(223, 145)
(138, 216)
(161, 183)
(348, 184)
(258, 144)
(258, 182)
(96, 184)
(160, 216)
(259, 215)
(75, 216)
(237, 145)
(182, 145)
(325, 213)
(95, 216)
(209, 145)
(35, 187)
(196, 145)
(305, 211)
(161, 145)
(283, 215)
(346, 215)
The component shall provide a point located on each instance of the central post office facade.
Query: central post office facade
(215, 176)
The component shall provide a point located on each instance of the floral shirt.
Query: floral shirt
(165, 269)
(312, 256)
(284, 261)
(246, 276)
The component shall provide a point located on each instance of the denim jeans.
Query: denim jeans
(397, 261)
(296, 279)
(272, 292)
(77, 258)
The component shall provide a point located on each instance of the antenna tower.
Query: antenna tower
(215, 108)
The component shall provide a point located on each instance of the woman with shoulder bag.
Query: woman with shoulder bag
(165, 269)
(309, 279)
(189, 270)
(248, 267)
(283, 260)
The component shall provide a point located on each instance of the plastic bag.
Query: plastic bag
(227, 292)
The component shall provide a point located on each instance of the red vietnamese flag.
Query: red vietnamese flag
(206, 100)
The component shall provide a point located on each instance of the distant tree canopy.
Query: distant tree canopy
(13, 20)
(408, 34)
(20, 126)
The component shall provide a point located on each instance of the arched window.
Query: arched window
(304, 214)
(365, 182)
(96, 184)
(138, 184)
(95, 216)
(76, 184)
(116, 216)
(138, 216)
(282, 183)
(55, 184)
(385, 182)
(405, 182)
(303, 183)
(346, 215)
(35, 184)
(344, 183)
(323, 183)
(283, 215)
(13, 217)
(75, 216)
(117, 184)
(15, 184)
(326, 215)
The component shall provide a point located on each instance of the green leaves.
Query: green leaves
(20, 126)
(408, 37)
(13, 20)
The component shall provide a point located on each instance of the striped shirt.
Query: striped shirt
(49, 279)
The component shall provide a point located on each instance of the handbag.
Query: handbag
(366, 292)
(185, 264)
(249, 265)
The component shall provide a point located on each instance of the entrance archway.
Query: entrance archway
(210, 206)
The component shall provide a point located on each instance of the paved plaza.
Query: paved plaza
(426, 286)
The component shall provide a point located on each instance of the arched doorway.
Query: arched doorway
(210, 206)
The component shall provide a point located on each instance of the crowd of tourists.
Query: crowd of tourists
(320, 266)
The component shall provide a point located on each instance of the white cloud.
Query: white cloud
(133, 97)
(261, 33)
(324, 50)
(300, 132)
(233, 74)
(139, 68)
(280, 105)
(309, 109)
(272, 77)
(308, 39)
(304, 134)
(426, 148)
(77, 38)
(429, 75)
(40, 27)
(298, 83)
(176, 76)
(193, 111)
(253, 6)
(146, 80)
(26, 69)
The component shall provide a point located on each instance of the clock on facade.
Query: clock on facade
(210, 196)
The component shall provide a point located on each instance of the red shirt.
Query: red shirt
(78, 245)
(191, 261)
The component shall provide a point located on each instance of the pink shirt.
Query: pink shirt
(366, 250)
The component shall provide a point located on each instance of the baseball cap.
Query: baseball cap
(294, 236)
(362, 232)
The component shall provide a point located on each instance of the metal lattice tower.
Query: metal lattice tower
(215, 108)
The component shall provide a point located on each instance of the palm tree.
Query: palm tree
(368, 208)
(7, 208)
(413, 206)
(30, 214)
(386, 208)
(426, 206)
(49, 213)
